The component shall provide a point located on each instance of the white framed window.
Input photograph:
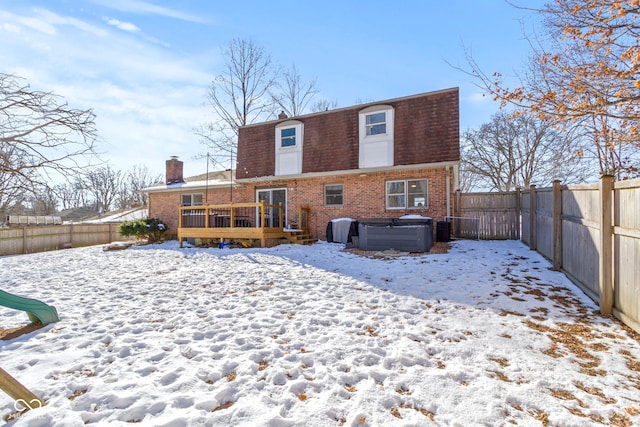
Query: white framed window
(376, 136)
(333, 195)
(407, 194)
(192, 199)
(376, 123)
(289, 138)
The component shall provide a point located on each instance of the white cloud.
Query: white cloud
(16, 23)
(145, 8)
(124, 26)
(147, 98)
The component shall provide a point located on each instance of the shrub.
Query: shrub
(151, 228)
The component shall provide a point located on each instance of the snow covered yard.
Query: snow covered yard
(314, 336)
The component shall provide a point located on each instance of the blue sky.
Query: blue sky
(144, 66)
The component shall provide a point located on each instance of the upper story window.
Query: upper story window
(376, 143)
(288, 137)
(376, 123)
(192, 199)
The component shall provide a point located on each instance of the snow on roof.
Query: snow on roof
(191, 185)
(413, 216)
(120, 216)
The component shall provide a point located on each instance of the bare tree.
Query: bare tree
(43, 201)
(104, 184)
(73, 194)
(13, 189)
(517, 151)
(324, 105)
(135, 180)
(293, 94)
(238, 96)
(40, 138)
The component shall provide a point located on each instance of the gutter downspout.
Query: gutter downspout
(448, 185)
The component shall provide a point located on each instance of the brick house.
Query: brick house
(377, 160)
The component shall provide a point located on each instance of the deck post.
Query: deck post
(281, 216)
(232, 222)
(262, 206)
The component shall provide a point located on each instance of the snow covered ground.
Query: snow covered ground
(315, 336)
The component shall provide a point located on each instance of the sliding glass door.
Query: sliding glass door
(272, 196)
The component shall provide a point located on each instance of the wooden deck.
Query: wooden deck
(246, 221)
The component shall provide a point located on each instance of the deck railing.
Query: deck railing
(260, 221)
(234, 215)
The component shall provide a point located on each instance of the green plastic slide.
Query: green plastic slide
(36, 310)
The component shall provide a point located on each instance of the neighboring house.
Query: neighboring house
(130, 214)
(376, 160)
(165, 199)
(77, 214)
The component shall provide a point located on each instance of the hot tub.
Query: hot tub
(403, 234)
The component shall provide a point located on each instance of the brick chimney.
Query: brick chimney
(174, 171)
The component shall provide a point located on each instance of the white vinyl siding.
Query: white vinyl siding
(289, 139)
(376, 143)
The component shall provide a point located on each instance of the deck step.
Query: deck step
(310, 241)
(301, 239)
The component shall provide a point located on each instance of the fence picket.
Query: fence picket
(565, 227)
(22, 240)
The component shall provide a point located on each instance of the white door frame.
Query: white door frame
(284, 206)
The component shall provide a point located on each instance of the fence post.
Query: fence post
(557, 225)
(532, 217)
(606, 245)
(518, 208)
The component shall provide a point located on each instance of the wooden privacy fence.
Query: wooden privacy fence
(24, 240)
(591, 232)
(497, 215)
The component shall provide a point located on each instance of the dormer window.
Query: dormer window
(288, 137)
(289, 141)
(376, 136)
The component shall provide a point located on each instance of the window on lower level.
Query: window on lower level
(407, 194)
(333, 195)
(192, 199)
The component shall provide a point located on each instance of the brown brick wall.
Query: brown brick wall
(364, 197)
(174, 171)
(426, 130)
(165, 206)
